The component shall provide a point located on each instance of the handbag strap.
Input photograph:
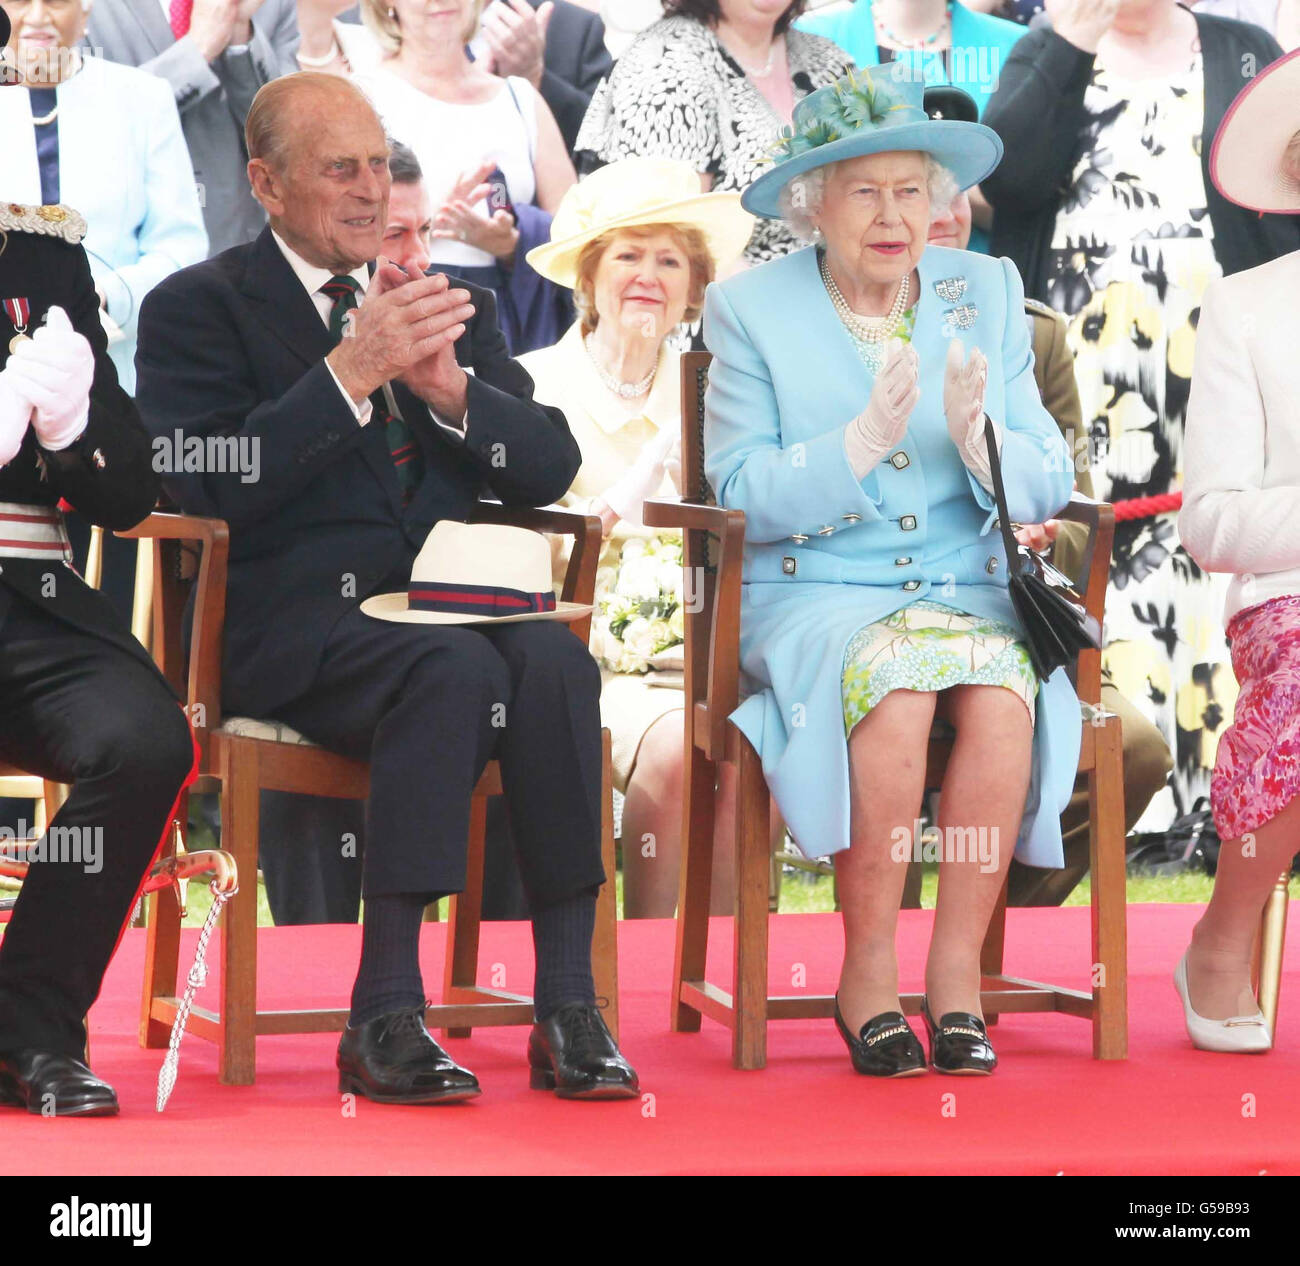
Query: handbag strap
(999, 494)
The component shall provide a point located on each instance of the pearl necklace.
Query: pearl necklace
(869, 334)
(751, 71)
(624, 390)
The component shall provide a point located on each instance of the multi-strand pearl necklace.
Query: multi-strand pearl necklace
(870, 334)
(624, 390)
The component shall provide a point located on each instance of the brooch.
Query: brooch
(960, 318)
(950, 289)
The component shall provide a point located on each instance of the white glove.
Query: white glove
(54, 370)
(15, 416)
(963, 405)
(645, 477)
(883, 423)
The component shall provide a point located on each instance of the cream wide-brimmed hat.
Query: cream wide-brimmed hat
(1246, 159)
(634, 192)
(477, 573)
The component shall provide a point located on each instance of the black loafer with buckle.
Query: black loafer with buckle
(885, 1047)
(959, 1043)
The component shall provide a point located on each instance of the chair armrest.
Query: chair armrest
(200, 687)
(1099, 518)
(587, 532)
(712, 610)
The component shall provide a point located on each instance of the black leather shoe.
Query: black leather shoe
(574, 1054)
(49, 1084)
(886, 1046)
(394, 1059)
(959, 1043)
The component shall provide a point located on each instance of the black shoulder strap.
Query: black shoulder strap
(999, 495)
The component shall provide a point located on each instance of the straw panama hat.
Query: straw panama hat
(1246, 159)
(634, 192)
(871, 112)
(477, 573)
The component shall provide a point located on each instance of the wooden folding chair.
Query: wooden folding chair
(244, 757)
(713, 543)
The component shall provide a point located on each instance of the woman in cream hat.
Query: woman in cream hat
(637, 242)
(1241, 514)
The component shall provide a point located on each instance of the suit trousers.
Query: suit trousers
(428, 705)
(76, 709)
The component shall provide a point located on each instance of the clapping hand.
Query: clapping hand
(516, 38)
(1082, 22)
(53, 370)
(457, 219)
(883, 423)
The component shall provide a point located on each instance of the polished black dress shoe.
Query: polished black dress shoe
(886, 1046)
(959, 1043)
(574, 1054)
(394, 1059)
(49, 1084)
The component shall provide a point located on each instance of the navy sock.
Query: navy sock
(562, 944)
(389, 976)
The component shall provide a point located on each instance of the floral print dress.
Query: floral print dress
(1131, 256)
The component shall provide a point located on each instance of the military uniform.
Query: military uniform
(80, 700)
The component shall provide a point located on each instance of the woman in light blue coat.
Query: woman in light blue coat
(106, 140)
(844, 415)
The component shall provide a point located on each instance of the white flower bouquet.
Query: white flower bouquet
(640, 606)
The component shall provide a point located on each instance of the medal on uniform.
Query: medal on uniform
(19, 313)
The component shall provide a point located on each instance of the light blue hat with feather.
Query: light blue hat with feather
(874, 111)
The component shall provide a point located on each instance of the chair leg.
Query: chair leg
(604, 948)
(1272, 942)
(699, 795)
(749, 1038)
(465, 915)
(240, 802)
(162, 946)
(1109, 894)
(991, 952)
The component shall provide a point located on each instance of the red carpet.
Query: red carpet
(1049, 1108)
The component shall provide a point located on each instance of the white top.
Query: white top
(450, 139)
(1241, 456)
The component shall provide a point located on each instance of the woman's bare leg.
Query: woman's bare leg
(887, 757)
(980, 806)
(1218, 961)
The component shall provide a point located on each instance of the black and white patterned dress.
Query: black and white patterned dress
(677, 93)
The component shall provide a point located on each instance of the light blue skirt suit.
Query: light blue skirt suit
(784, 382)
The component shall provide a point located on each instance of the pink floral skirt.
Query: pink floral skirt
(1257, 770)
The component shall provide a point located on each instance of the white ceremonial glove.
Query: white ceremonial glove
(963, 405)
(15, 417)
(883, 423)
(54, 370)
(645, 477)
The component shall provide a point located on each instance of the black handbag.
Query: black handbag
(1055, 622)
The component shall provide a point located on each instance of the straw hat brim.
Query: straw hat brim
(718, 216)
(393, 606)
(1246, 158)
(969, 150)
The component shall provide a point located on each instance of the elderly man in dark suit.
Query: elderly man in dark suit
(80, 700)
(215, 54)
(249, 345)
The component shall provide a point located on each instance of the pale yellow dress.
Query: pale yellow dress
(610, 438)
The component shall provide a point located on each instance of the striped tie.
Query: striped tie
(407, 459)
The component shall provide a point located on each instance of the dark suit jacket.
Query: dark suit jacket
(235, 347)
(107, 473)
